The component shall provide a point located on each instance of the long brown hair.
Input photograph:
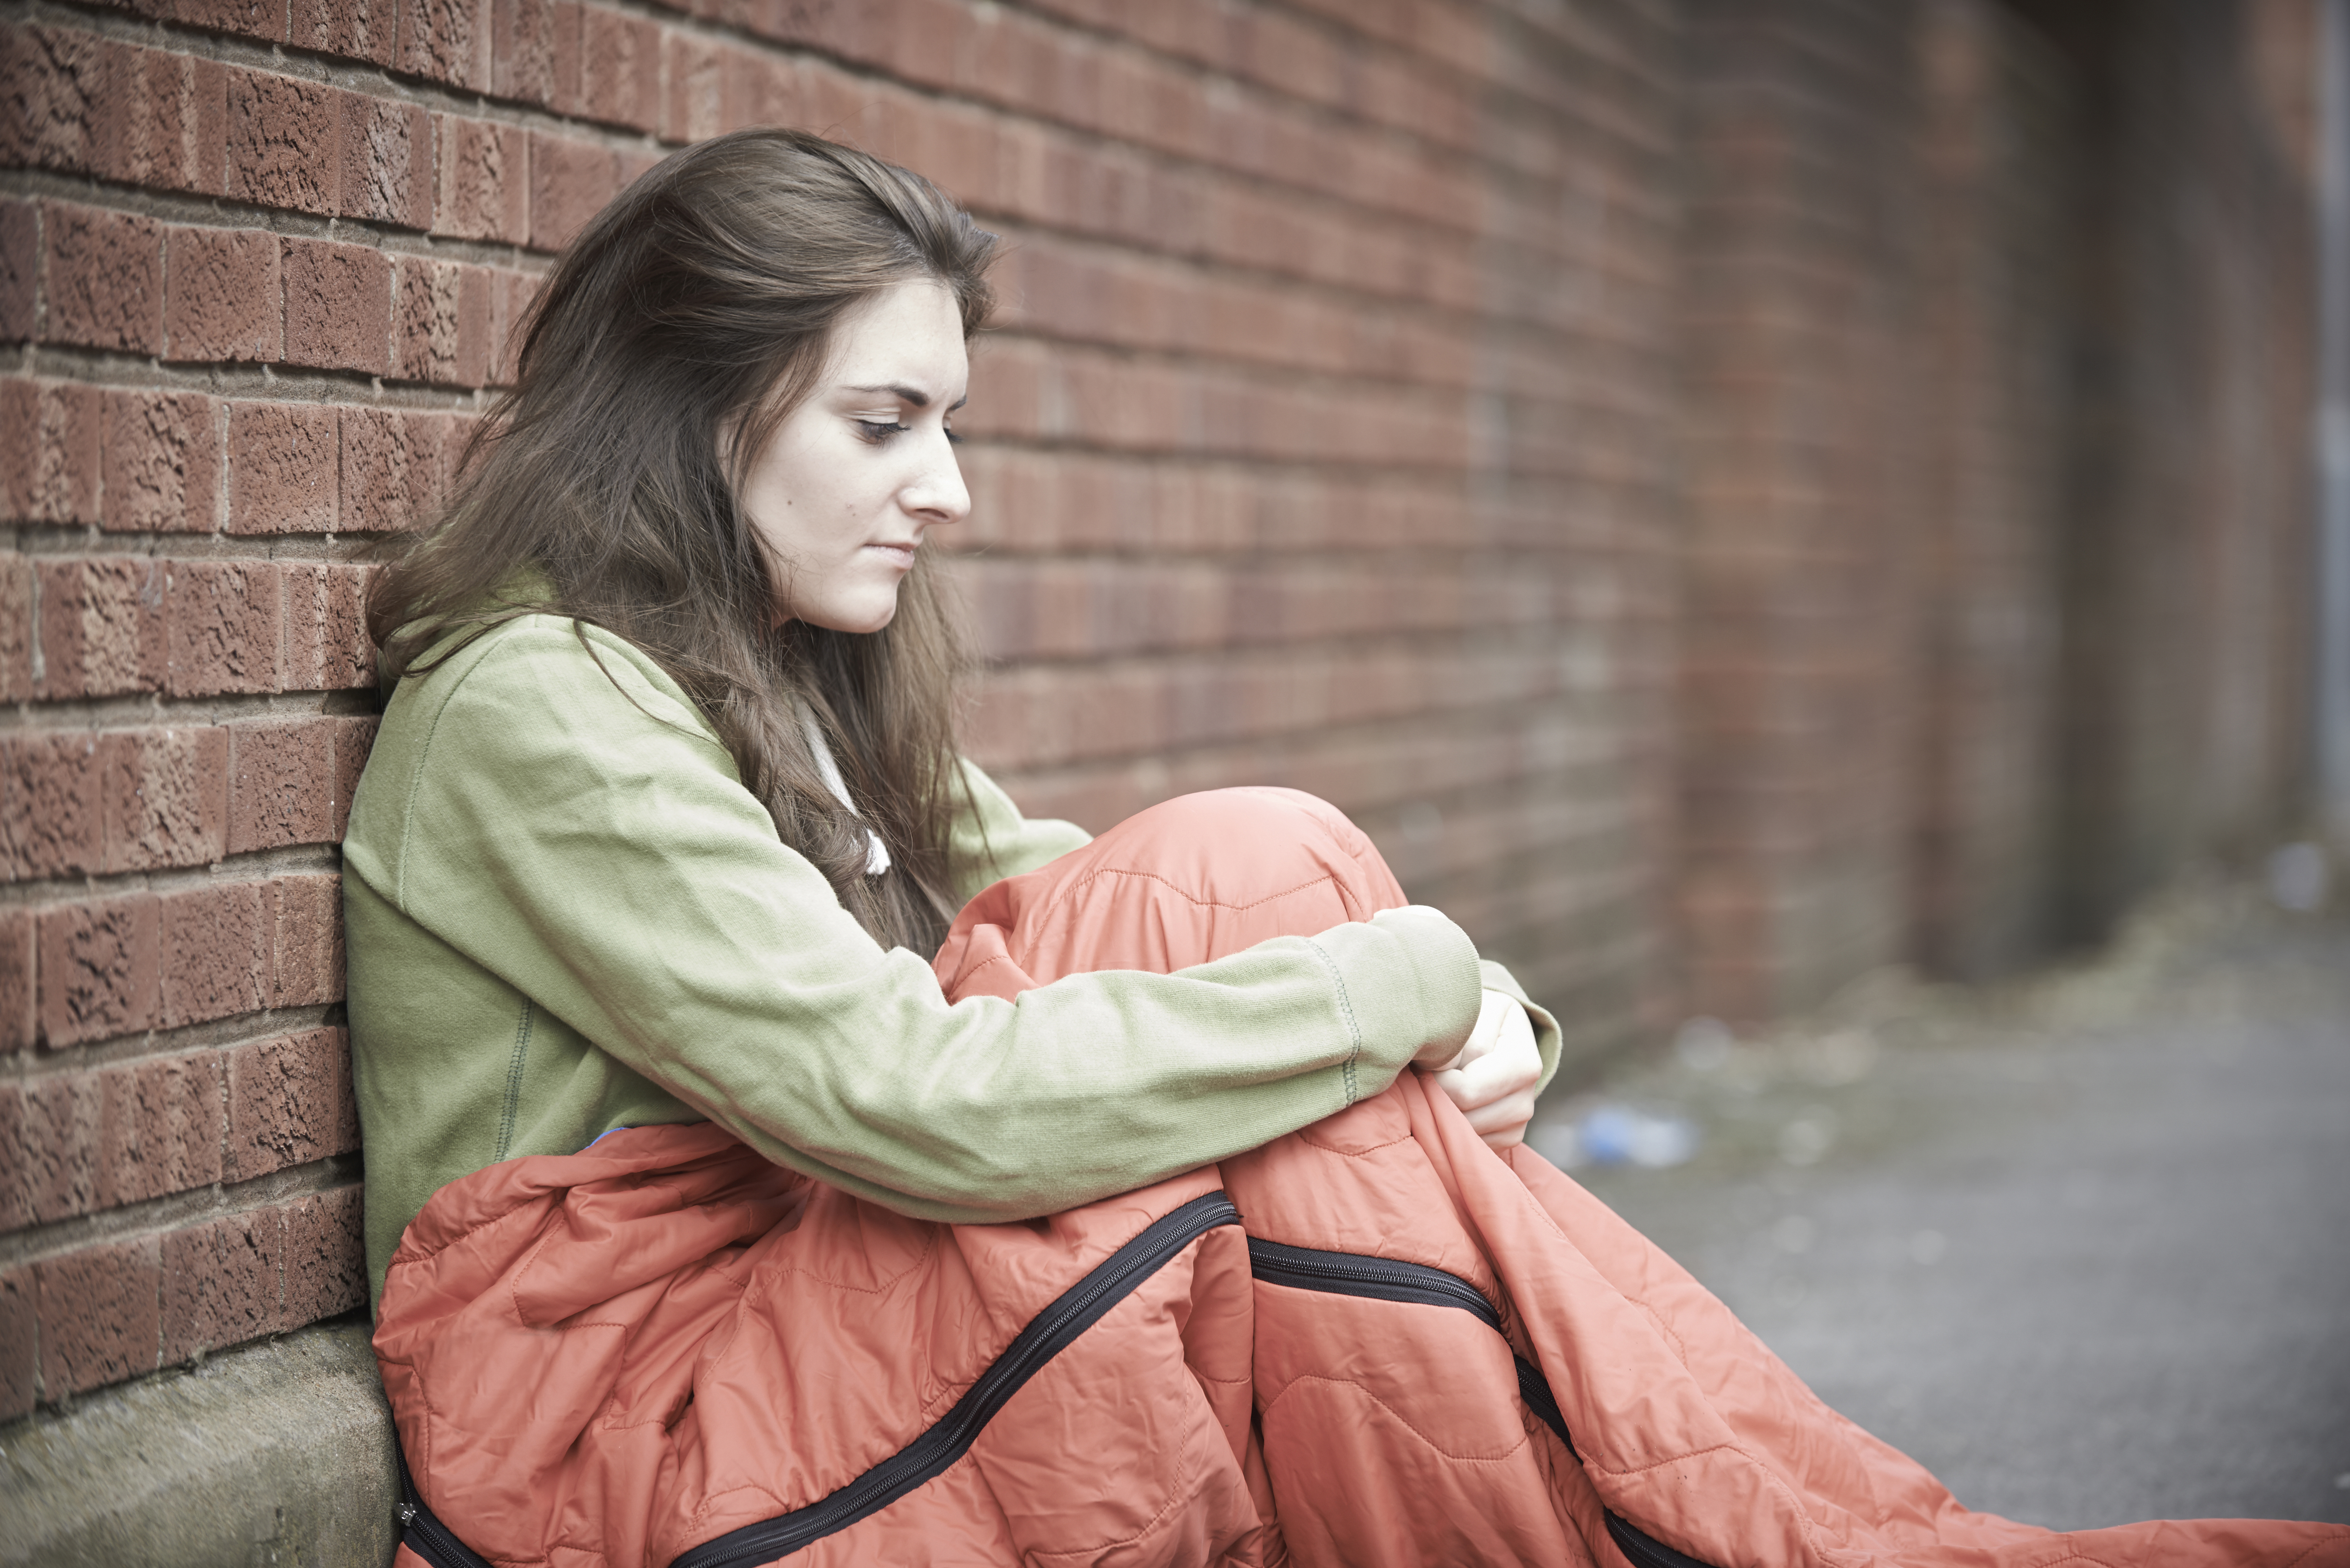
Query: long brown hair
(604, 485)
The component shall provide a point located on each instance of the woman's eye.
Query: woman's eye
(879, 431)
(952, 439)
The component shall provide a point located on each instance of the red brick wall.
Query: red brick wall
(1325, 443)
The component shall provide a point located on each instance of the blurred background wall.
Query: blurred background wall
(1730, 492)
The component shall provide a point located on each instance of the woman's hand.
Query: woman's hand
(1493, 1079)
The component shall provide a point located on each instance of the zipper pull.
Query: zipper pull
(407, 1514)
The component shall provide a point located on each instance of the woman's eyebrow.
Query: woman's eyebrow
(919, 399)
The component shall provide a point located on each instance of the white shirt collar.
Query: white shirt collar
(877, 854)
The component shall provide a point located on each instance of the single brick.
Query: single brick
(289, 1103)
(440, 322)
(535, 52)
(445, 40)
(284, 141)
(281, 783)
(164, 121)
(60, 1145)
(713, 86)
(159, 1128)
(98, 969)
(17, 648)
(165, 796)
(20, 270)
(223, 299)
(396, 467)
(326, 646)
(484, 179)
(308, 946)
(221, 627)
(100, 1321)
(337, 305)
(16, 1193)
(619, 68)
(105, 278)
(101, 626)
(162, 461)
(695, 106)
(387, 149)
(356, 29)
(216, 951)
(285, 465)
(563, 65)
(57, 79)
(513, 293)
(20, 1342)
(16, 1017)
(52, 823)
(570, 182)
(252, 18)
(325, 1256)
(49, 451)
(223, 1283)
(354, 738)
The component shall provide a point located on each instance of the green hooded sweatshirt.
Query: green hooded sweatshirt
(565, 914)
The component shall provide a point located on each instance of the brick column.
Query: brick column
(1806, 439)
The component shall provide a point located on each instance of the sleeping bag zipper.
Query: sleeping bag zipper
(1052, 1330)
(1417, 1284)
(420, 1531)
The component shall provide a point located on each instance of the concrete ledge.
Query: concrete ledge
(277, 1454)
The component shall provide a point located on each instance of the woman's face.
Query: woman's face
(844, 492)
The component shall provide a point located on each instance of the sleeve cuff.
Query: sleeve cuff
(1408, 980)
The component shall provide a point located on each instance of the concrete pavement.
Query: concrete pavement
(2082, 1245)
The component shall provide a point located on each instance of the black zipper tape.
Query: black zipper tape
(1394, 1280)
(1052, 1330)
(1357, 1274)
(424, 1533)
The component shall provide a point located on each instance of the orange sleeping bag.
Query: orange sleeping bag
(1372, 1342)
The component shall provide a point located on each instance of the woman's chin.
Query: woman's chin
(857, 615)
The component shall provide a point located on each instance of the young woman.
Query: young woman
(665, 820)
(695, 1114)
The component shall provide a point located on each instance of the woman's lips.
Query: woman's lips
(902, 555)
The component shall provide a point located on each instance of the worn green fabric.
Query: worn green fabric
(565, 914)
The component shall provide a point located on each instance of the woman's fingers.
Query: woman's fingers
(1503, 1123)
(1493, 1080)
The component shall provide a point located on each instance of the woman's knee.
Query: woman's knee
(1180, 883)
(1267, 812)
(1253, 841)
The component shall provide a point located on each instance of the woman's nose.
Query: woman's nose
(937, 495)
